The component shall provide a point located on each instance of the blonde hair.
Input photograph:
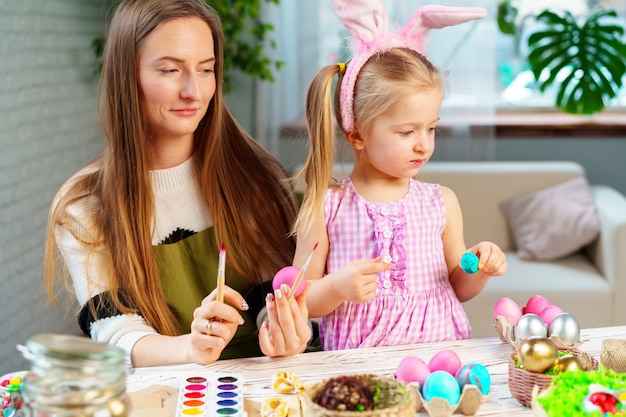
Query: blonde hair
(383, 80)
(251, 203)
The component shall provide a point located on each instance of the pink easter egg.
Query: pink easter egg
(507, 308)
(549, 313)
(536, 304)
(445, 360)
(288, 275)
(412, 369)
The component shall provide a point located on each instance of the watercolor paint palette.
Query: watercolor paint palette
(211, 394)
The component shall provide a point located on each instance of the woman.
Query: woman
(139, 228)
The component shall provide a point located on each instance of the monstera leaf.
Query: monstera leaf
(506, 17)
(590, 59)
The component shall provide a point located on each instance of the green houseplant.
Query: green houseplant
(245, 33)
(583, 60)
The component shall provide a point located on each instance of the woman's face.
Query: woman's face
(177, 79)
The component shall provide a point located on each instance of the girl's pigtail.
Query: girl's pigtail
(321, 128)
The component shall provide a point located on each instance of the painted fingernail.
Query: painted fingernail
(269, 298)
(241, 320)
(279, 292)
(244, 305)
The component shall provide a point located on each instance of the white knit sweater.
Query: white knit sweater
(179, 206)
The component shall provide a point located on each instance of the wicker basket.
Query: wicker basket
(522, 382)
(396, 399)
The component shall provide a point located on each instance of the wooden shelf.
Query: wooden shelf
(517, 124)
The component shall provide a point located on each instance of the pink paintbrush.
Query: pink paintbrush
(220, 274)
(301, 273)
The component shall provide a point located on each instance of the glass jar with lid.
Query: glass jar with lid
(74, 376)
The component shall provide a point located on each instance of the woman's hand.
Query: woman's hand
(286, 331)
(214, 325)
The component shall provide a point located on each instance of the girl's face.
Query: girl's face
(177, 79)
(402, 139)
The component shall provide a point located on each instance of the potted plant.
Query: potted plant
(583, 60)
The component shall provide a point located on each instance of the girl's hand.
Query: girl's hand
(356, 281)
(214, 325)
(491, 259)
(286, 331)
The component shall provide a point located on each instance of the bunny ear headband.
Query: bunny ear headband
(367, 21)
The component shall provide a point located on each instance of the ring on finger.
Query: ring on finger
(209, 325)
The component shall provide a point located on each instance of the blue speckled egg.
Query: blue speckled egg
(475, 374)
(469, 263)
(443, 385)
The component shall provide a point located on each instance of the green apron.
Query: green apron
(188, 271)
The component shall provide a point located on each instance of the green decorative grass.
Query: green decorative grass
(564, 397)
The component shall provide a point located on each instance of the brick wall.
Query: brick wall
(48, 130)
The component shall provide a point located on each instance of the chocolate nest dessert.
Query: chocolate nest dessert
(346, 393)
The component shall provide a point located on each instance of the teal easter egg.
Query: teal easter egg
(474, 374)
(469, 263)
(441, 384)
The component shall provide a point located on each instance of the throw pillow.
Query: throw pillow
(554, 222)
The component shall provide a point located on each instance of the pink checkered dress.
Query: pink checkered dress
(414, 302)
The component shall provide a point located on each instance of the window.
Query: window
(482, 66)
(486, 67)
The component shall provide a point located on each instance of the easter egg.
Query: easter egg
(602, 401)
(469, 263)
(442, 385)
(474, 374)
(537, 354)
(508, 309)
(445, 360)
(568, 363)
(530, 325)
(288, 275)
(566, 327)
(536, 304)
(549, 313)
(412, 369)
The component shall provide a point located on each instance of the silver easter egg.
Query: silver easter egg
(530, 325)
(566, 327)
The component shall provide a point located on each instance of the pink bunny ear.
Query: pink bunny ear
(366, 19)
(436, 17)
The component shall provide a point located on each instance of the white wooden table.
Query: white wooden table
(315, 366)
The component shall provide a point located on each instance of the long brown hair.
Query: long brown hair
(251, 203)
(383, 80)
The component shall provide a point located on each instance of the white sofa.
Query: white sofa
(590, 284)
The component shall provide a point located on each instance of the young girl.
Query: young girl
(386, 268)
